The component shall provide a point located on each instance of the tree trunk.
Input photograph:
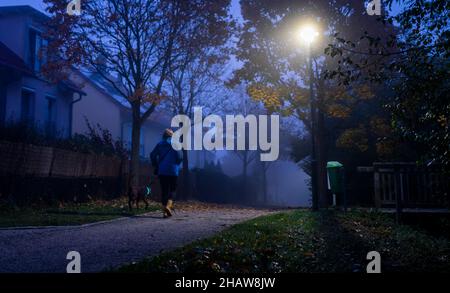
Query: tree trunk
(264, 181)
(135, 147)
(321, 161)
(244, 176)
(322, 180)
(186, 192)
(314, 137)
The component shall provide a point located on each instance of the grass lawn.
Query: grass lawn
(69, 214)
(303, 241)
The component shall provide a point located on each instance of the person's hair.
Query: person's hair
(167, 133)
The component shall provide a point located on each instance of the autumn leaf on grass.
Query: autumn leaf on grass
(268, 251)
(216, 267)
(236, 250)
(275, 267)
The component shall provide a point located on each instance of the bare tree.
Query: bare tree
(242, 104)
(195, 82)
(138, 43)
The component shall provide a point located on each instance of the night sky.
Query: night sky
(39, 5)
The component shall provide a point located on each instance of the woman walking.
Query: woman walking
(166, 163)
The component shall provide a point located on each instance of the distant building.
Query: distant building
(25, 95)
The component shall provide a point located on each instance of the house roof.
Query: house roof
(23, 10)
(106, 87)
(9, 59)
(72, 86)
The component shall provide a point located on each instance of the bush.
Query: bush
(97, 140)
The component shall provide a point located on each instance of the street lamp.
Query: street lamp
(308, 34)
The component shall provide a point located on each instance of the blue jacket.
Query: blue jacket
(166, 159)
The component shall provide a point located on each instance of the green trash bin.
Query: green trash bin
(336, 178)
(334, 175)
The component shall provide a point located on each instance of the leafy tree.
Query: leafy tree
(415, 63)
(275, 66)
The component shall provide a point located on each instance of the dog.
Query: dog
(137, 194)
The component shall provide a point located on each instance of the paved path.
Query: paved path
(111, 244)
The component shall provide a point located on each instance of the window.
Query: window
(27, 105)
(50, 116)
(38, 55)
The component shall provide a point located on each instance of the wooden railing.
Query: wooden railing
(407, 185)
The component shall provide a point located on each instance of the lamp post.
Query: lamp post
(308, 34)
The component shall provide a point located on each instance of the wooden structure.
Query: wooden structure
(410, 185)
(29, 172)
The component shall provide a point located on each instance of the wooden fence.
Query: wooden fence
(407, 185)
(26, 169)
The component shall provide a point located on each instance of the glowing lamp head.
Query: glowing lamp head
(308, 34)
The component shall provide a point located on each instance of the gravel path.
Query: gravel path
(111, 244)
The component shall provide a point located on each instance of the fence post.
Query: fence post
(344, 191)
(377, 186)
(398, 192)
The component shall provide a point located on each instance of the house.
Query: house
(103, 106)
(66, 108)
(25, 95)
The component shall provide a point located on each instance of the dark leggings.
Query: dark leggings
(168, 187)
